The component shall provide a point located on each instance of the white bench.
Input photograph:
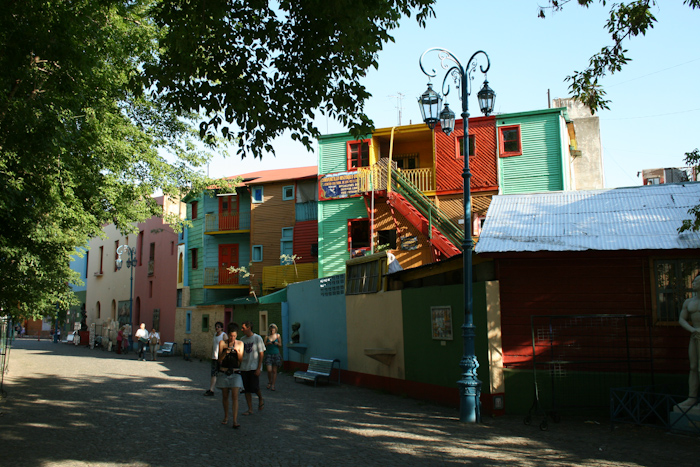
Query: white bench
(167, 349)
(319, 368)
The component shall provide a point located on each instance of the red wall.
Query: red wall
(582, 283)
(482, 165)
(164, 278)
(305, 234)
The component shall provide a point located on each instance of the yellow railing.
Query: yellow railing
(421, 178)
(375, 178)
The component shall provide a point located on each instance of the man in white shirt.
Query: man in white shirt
(218, 337)
(142, 337)
(251, 366)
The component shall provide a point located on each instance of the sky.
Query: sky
(655, 110)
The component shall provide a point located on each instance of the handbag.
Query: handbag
(143, 340)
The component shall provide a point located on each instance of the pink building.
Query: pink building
(155, 277)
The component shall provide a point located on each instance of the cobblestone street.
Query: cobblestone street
(73, 406)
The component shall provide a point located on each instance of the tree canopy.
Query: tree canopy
(97, 99)
(626, 21)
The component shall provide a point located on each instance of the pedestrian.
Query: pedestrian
(120, 339)
(251, 366)
(228, 377)
(142, 336)
(153, 343)
(273, 357)
(219, 335)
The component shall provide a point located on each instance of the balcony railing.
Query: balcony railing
(223, 222)
(420, 178)
(221, 276)
(374, 178)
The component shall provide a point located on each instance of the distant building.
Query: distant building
(671, 175)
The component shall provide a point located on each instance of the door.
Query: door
(228, 257)
(228, 212)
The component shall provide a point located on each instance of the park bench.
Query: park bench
(167, 349)
(319, 368)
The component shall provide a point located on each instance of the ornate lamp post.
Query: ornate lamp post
(469, 385)
(131, 264)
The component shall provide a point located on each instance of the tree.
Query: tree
(627, 20)
(93, 91)
(258, 70)
(78, 147)
(692, 158)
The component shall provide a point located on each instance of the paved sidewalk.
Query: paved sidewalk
(73, 406)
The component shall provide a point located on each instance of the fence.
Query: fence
(577, 359)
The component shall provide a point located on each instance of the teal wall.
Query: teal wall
(332, 156)
(427, 360)
(333, 233)
(195, 234)
(540, 167)
(322, 318)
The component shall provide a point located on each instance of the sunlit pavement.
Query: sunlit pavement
(75, 406)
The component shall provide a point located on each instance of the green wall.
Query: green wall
(333, 233)
(252, 313)
(539, 168)
(332, 155)
(427, 360)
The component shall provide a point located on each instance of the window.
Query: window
(195, 209)
(358, 234)
(673, 285)
(116, 247)
(363, 277)
(358, 154)
(98, 308)
(188, 322)
(156, 319)
(472, 146)
(510, 141)
(386, 239)
(406, 161)
(288, 193)
(102, 250)
(87, 263)
(257, 253)
(193, 255)
(172, 248)
(140, 248)
(205, 323)
(256, 194)
(150, 289)
(287, 245)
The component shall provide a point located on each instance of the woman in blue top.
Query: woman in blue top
(273, 358)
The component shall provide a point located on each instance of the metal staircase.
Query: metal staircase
(445, 235)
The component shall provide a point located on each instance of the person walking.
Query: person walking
(273, 357)
(120, 339)
(153, 343)
(142, 336)
(219, 335)
(228, 377)
(251, 366)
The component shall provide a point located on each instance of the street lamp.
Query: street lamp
(131, 264)
(469, 385)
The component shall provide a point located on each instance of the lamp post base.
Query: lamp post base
(469, 401)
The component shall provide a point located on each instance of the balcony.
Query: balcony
(216, 223)
(221, 278)
(375, 178)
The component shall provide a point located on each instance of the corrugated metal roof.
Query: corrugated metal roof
(634, 218)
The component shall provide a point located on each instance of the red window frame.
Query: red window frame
(505, 145)
(472, 146)
(195, 205)
(355, 153)
(361, 245)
